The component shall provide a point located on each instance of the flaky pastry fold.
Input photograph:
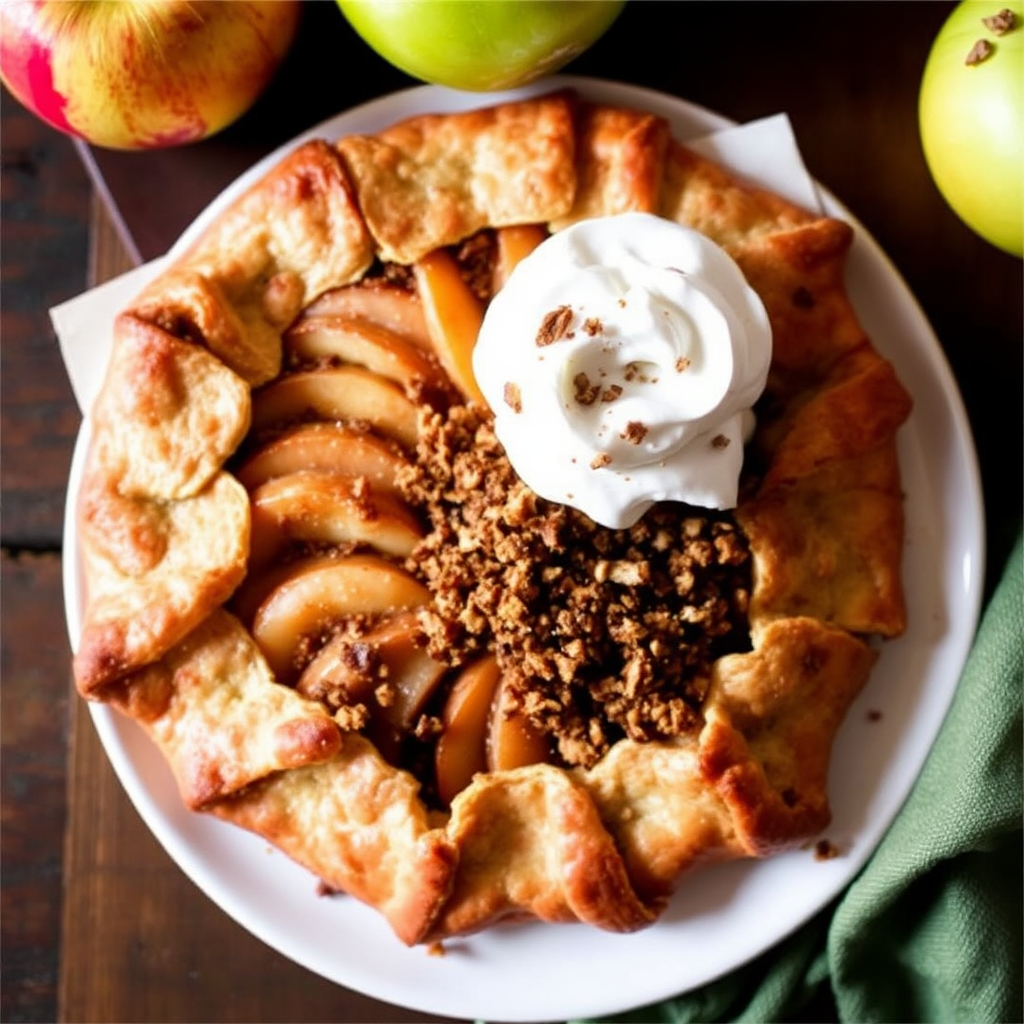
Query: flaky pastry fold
(219, 716)
(754, 776)
(435, 179)
(360, 826)
(292, 236)
(620, 156)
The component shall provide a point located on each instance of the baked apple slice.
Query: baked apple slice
(461, 750)
(378, 349)
(325, 448)
(349, 394)
(388, 668)
(388, 305)
(483, 731)
(512, 742)
(327, 508)
(514, 244)
(454, 315)
(307, 604)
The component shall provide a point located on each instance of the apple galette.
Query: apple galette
(321, 578)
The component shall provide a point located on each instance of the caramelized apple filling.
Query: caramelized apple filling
(401, 574)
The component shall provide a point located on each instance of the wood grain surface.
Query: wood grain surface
(45, 196)
(98, 924)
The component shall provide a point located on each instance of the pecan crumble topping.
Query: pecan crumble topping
(357, 663)
(555, 326)
(979, 52)
(583, 391)
(513, 397)
(825, 849)
(635, 432)
(1000, 23)
(599, 633)
(634, 371)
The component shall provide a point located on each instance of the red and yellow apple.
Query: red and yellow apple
(141, 74)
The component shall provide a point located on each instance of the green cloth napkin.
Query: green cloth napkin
(931, 929)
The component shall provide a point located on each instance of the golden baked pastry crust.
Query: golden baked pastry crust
(242, 282)
(434, 180)
(620, 156)
(165, 526)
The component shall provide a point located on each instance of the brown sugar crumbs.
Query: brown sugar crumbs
(601, 634)
(979, 53)
(825, 849)
(584, 391)
(634, 372)
(1001, 23)
(635, 432)
(513, 397)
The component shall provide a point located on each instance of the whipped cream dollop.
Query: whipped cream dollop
(621, 360)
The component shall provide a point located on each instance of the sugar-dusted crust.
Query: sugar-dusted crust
(704, 196)
(360, 826)
(433, 180)
(219, 716)
(294, 235)
(164, 537)
(179, 631)
(620, 156)
(826, 523)
(531, 843)
(154, 572)
(754, 776)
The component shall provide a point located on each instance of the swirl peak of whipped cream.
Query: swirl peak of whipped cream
(621, 360)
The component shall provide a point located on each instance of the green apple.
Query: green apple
(971, 116)
(480, 45)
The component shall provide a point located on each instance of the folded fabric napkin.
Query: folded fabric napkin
(931, 929)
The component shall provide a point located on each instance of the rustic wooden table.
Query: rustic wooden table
(98, 923)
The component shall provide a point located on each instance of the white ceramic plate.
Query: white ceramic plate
(728, 914)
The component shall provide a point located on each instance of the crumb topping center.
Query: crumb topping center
(599, 633)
